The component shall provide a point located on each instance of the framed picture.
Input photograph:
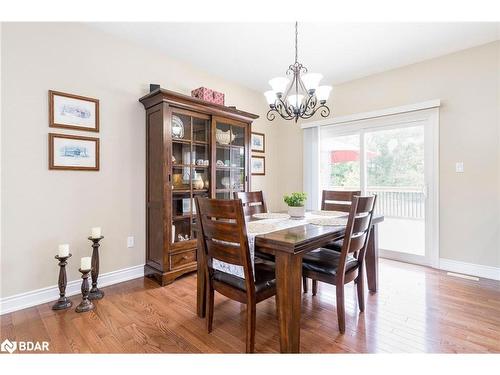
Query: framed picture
(69, 111)
(258, 165)
(70, 152)
(258, 142)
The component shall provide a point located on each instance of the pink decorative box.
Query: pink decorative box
(208, 95)
(218, 98)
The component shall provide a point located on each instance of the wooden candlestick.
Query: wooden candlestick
(86, 304)
(95, 293)
(63, 302)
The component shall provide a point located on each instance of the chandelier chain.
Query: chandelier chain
(296, 42)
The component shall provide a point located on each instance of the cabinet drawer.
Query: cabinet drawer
(182, 259)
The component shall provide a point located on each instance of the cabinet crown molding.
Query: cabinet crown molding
(194, 104)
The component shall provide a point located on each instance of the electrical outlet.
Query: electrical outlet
(459, 167)
(130, 241)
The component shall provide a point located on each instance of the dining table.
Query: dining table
(288, 240)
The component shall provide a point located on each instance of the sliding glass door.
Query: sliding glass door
(395, 171)
(393, 159)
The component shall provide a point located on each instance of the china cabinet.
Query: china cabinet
(193, 148)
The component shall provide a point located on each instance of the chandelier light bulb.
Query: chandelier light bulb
(311, 80)
(279, 84)
(295, 100)
(270, 97)
(323, 92)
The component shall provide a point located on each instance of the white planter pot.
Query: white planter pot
(296, 211)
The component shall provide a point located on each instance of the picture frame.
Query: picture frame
(258, 165)
(258, 142)
(69, 111)
(72, 152)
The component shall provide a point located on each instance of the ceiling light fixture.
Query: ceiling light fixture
(298, 95)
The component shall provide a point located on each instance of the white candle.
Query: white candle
(63, 250)
(95, 232)
(85, 263)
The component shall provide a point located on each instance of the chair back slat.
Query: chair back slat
(361, 223)
(222, 209)
(229, 253)
(364, 205)
(336, 206)
(253, 202)
(221, 230)
(338, 200)
(357, 242)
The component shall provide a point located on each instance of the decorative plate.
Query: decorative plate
(271, 215)
(256, 227)
(224, 137)
(177, 127)
(329, 213)
(328, 220)
(225, 182)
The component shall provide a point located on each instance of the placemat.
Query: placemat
(256, 227)
(271, 215)
(329, 213)
(328, 220)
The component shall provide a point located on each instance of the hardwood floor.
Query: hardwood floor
(417, 309)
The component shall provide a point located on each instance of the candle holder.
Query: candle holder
(86, 304)
(63, 302)
(95, 292)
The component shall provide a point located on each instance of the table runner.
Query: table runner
(280, 224)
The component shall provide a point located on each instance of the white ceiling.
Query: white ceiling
(252, 53)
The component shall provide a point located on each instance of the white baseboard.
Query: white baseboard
(51, 293)
(486, 272)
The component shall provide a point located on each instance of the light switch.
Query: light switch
(459, 167)
(130, 241)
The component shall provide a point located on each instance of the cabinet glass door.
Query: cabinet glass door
(230, 158)
(190, 170)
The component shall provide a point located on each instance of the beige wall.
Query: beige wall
(43, 208)
(468, 83)
(289, 174)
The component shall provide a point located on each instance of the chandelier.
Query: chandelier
(298, 95)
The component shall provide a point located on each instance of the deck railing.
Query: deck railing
(397, 202)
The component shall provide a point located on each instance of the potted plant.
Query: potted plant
(295, 202)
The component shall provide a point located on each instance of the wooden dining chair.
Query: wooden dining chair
(221, 225)
(340, 268)
(253, 202)
(333, 200)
